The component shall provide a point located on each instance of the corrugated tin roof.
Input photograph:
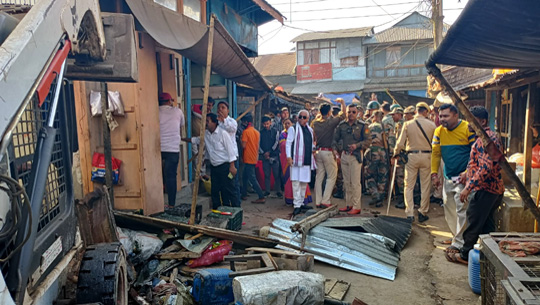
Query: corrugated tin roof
(344, 33)
(276, 64)
(401, 34)
(366, 253)
(396, 83)
(329, 87)
(461, 77)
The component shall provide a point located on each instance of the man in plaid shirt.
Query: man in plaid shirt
(484, 190)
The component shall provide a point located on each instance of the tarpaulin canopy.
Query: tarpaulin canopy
(190, 38)
(493, 34)
(347, 97)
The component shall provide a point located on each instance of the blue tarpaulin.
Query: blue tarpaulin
(347, 97)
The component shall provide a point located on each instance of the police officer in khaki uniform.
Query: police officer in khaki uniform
(418, 147)
(351, 137)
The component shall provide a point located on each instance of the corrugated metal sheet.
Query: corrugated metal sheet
(329, 87)
(334, 34)
(395, 228)
(366, 253)
(400, 34)
(462, 77)
(276, 64)
(396, 83)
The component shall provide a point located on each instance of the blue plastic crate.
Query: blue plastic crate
(213, 287)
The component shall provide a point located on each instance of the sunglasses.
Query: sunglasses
(302, 117)
(351, 112)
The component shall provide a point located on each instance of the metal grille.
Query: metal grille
(25, 137)
(531, 268)
(534, 288)
(492, 290)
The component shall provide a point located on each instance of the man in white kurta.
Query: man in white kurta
(300, 146)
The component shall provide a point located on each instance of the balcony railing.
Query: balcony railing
(18, 2)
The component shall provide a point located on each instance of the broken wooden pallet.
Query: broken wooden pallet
(287, 260)
(255, 261)
(336, 289)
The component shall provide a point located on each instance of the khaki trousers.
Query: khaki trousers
(326, 164)
(455, 211)
(418, 163)
(352, 177)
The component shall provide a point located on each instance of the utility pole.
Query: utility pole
(437, 21)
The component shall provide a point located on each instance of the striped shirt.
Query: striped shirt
(454, 147)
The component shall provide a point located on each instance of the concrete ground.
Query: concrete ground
(424, 276)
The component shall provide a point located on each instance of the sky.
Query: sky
(319, 15)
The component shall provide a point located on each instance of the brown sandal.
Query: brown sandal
(455, 258)
(451, 249)
(446, 242)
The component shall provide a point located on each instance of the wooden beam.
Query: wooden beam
(490, 147)
(141, 222)
(250, 108)
(207, 74)
(308, 223)
(527, 147)
(107, 146)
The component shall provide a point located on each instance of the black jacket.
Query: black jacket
(269, 142)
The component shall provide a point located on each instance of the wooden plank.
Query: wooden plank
(195, 236)
(329, 285)
(251, 271)
(96, 221)
(178, 255)
(529, 120)
(82, 113)
(140, 221)
(207, 74)
(339, 290)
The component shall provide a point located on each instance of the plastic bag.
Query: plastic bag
(212, 255)
(98, 168)
(142, 244)
(115, 105)
(536, 156)
(124, 240)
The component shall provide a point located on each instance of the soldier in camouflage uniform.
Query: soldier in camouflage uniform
(372, 106)
(377, 168)
(397, 116)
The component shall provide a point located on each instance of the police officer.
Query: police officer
(416, 138)
(397, 116)
(408, 113)
(351, 137)
(377, 168)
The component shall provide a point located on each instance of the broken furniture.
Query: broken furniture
(287, 260)
(256, 263)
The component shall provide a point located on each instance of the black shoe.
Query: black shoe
(279, 195)
(296, 211)
(435, 199)
(306, 207)
(410, 218)
(379, 205)
(422, 217)
(400, 205)
(266, 194)
(339, 195)
(375, 201)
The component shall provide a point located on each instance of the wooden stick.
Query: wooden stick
(392, 97)
(489, 146)
(207, 74)
(257, 102)
(107, 146)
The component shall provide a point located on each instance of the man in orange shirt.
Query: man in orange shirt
(250, 144)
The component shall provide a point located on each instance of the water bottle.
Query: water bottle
(474, 269)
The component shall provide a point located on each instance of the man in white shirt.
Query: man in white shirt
(171, 122)
(230, 126)
(220, 150)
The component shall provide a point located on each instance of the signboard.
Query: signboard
(314, 72)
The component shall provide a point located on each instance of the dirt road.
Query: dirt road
(423, 277)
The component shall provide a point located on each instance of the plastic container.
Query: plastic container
(234, 221)
(474, 269)
(213, 287)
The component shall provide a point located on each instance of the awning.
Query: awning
(328, 87)
(190, 38)
(493, 34)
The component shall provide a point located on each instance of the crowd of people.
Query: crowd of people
(418, 155)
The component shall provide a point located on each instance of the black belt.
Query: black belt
(419, 151)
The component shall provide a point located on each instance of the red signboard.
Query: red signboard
(314, 72)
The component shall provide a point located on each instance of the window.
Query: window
(393, 55)
(351, 61)
(318, 52)
(170, 4)
(192, 9)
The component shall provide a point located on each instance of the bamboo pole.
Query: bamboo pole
(207, 74)
(392, 97)
(490, 147)
(257, 102)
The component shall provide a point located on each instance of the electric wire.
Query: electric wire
(14, 191)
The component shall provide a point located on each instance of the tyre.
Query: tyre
(103, 275)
